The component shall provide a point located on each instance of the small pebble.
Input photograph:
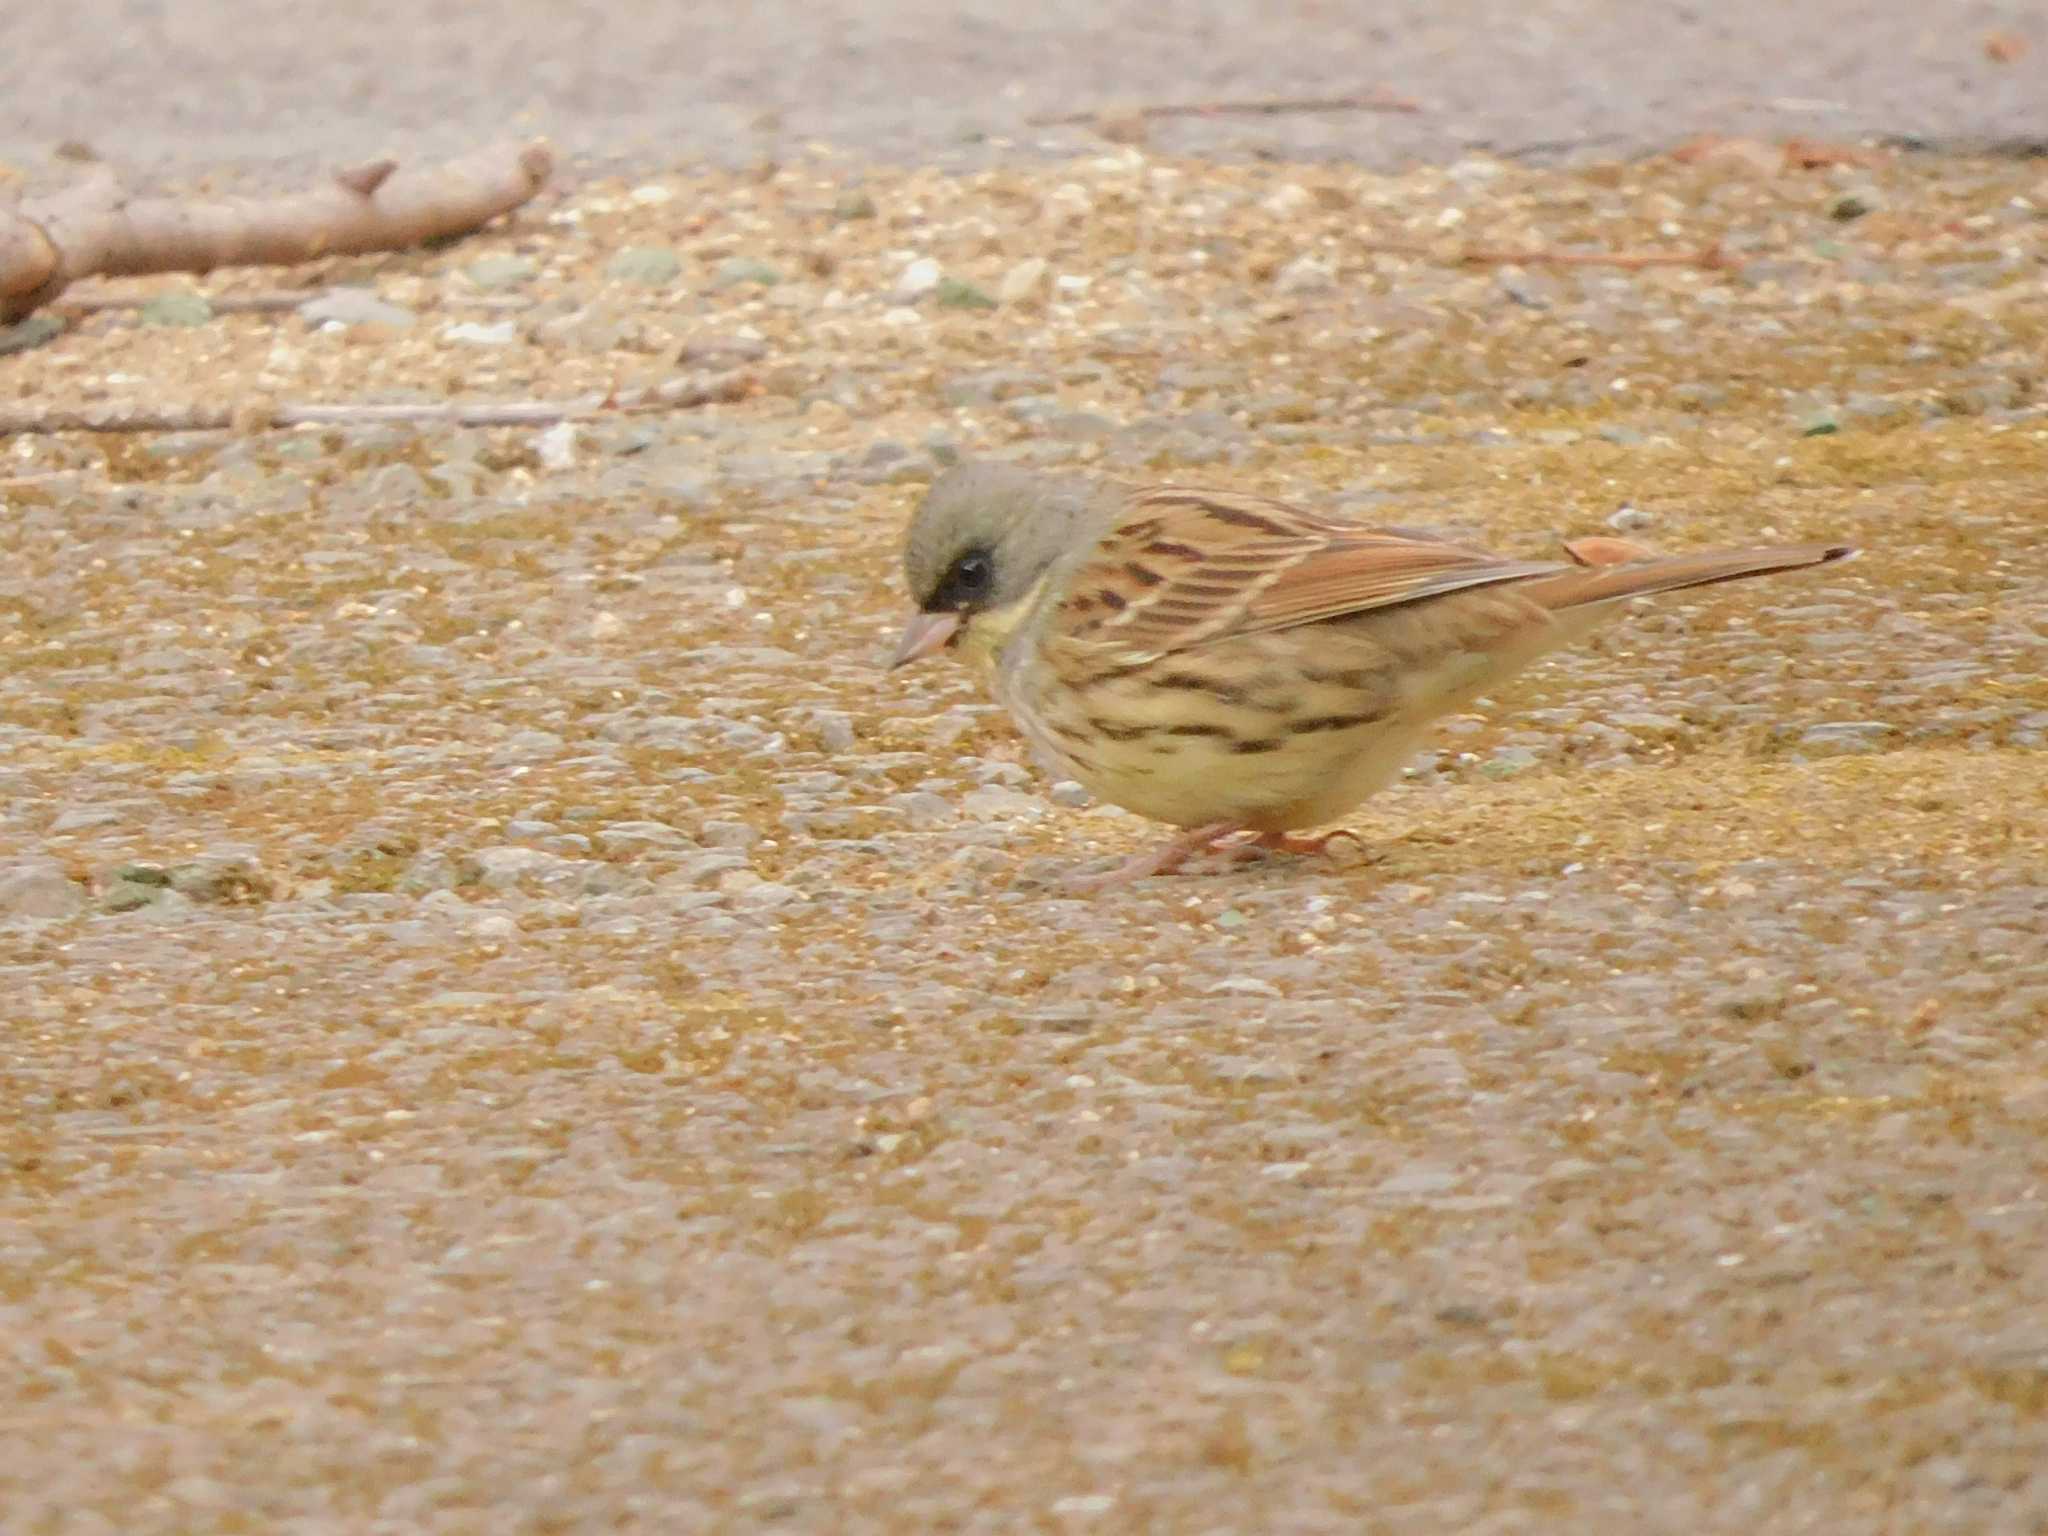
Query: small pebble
(556, 447)
(728, 834)
(355, 306)
(1847, 736)
(39, 888)
(32, 332)
(1022, 281)
(651, 266)
(501, 333)
(744, 269)
(1286, 200)
(177, 309)
(1305, 274)
(505, 868)
(1243, 986)
(491, 272)
(703, 869)
(920, 278)
(952, 293)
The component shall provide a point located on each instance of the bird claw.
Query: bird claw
(1225, 838)
(1297, 842)
(1161, 860)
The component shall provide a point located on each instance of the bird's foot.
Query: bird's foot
(1163, 859)
(1298, 842)
(1220, 837)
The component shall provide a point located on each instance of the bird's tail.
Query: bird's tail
(1612, 569)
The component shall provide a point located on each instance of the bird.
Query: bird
(1237, 666)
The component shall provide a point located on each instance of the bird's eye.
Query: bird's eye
(966, 582)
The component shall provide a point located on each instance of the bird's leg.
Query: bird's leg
(1164, 859)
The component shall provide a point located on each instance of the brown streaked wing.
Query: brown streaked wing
(1186, 566)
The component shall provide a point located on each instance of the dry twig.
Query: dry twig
(1132, 124)
(219, 303)
(1709, 258)
(1378, 101)
(1759, 158)
(96, 229)
(257, 416)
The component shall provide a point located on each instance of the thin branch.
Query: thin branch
(219, 303)
(1378, 101)
(1710, 258)
(257, 416)
(1818, 154)
(1762, 158)
(281, 301)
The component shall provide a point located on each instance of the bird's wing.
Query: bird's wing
(1182, 567)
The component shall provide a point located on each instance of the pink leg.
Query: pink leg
(1157, 861)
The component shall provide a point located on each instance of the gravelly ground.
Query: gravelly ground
(517, 1024)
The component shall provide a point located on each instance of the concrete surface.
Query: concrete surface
(214, 81)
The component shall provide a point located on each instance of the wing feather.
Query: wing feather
(1182, 567)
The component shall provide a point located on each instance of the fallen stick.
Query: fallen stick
(259, 416)
(1818, 154)
(14, 482)
(96, 229)
(1709, 258)
(1380, 101)
(219, 303)
(1759, 157)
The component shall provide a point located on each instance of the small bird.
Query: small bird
(1231, 664)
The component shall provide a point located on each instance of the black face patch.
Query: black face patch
(966, 585)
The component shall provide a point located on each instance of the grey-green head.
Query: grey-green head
(982, 540)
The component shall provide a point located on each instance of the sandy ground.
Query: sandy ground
(248, 82)
(515, 1024)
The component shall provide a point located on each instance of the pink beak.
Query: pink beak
(924, 634)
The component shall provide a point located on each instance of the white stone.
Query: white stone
(1022, 280)
(1289, 198)
(556, 447)
(916, 280)
(503, 334)
(1305, 274)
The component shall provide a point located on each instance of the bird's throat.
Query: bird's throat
(984, 635)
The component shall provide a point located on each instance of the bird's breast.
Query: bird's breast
(1256, 731)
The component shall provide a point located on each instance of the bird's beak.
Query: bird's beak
(925, 633)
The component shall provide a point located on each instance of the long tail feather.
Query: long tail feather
(1602, 583)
